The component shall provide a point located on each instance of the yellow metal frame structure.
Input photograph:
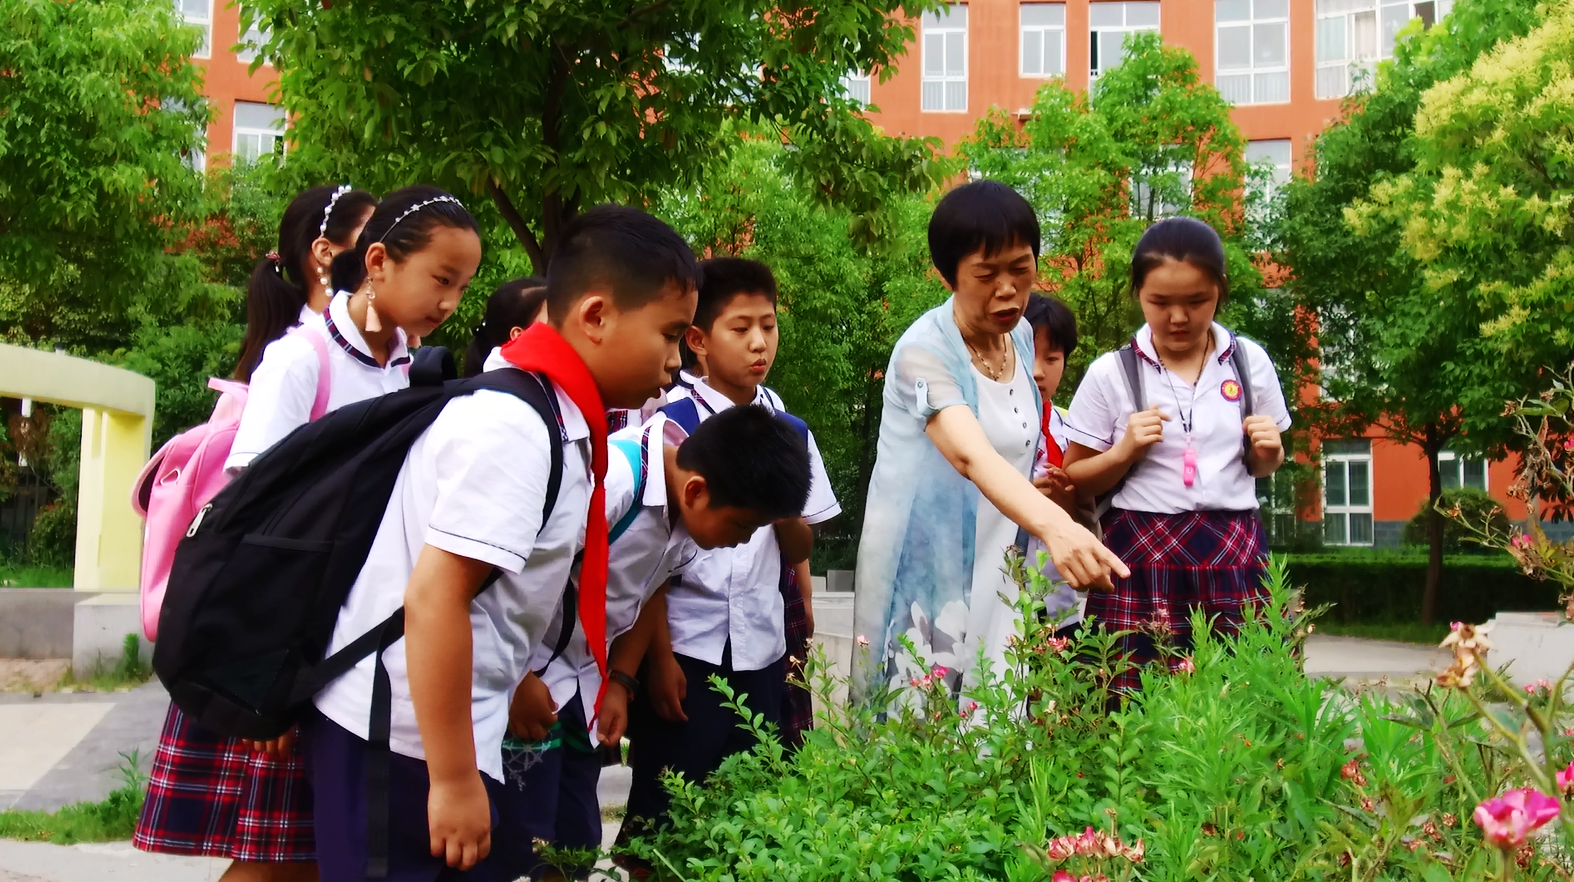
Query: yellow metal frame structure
(117, 433)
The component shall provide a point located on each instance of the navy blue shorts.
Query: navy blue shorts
(336, 765)
(550, 795)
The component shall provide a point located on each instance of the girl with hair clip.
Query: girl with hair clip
(1170, 434)
(290, 285)
(513, 307)
(224, 797)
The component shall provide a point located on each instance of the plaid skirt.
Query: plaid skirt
(1213, 560)
(215, 796)
(797, 703)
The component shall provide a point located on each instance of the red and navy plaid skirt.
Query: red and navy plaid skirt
(1214, 560)
(215, 796)
(797, 704)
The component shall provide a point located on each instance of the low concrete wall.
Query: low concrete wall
(1536, 646)
(99, 628)
(38, 622)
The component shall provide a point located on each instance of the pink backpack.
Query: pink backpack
(187, 472)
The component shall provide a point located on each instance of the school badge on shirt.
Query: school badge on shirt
(1231, 390)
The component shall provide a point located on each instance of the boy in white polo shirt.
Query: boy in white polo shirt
(725, 614)
(470, 501)
(738, 472)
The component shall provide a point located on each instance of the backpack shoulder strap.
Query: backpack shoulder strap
(685, 413)
(634, 452)
(799, 426)
(324, 369)
(1131, 369)
(1243, 373)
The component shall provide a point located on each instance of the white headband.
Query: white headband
(322, 230)
(417, 207)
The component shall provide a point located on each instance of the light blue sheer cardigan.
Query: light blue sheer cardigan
(915, 560)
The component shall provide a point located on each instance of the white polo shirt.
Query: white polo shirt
(653, 548)
(284, 385)
(474, 485)
(734, 594)
(1099, 412)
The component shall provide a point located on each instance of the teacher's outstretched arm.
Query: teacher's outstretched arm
(1082, 560)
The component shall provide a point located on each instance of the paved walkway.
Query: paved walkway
(60, 749)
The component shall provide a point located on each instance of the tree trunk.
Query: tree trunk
(1434, 526)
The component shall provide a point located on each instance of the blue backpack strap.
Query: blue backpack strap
(635, 453)
(684, 413)
(799, 426)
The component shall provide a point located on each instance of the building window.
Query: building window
(1352, 35)
(1274, 155)
(1161, 192)
(259, 131)
(945, 59)
(1347, 492)
(199, 13)
(1253, 50)
(252, 41)
(1108, 26)
(1462, 471)
(1043, 39)
(856, 86)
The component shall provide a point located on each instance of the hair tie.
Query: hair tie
(417, 207)
(322, 230)
(277, 263)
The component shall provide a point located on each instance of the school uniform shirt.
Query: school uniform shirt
(654, 548)
(734, 594)
(1063, 602)
(682, 386)
(284, 385)
(473, 484)
(1103, 404)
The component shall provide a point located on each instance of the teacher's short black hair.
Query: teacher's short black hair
(985, 215)
(751, 460)
(1055, 318)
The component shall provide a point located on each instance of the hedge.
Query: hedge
(1387, 586)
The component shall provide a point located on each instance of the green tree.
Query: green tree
(98, 107)
(1397, 351)
(550, 107)
(1151, 138)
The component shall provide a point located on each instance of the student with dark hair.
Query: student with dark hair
(512, 308)
(290, 285)
(405, 275)
(1054, 339)
(1173, 431)
(961, 426)
(669, 496)
(727, 617)
(223, 796)
(470, 502)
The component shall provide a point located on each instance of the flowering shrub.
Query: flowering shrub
(1235, 767)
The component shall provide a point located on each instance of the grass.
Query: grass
(20, 575)
(111, 820)
(128, 672)
(1403, 632)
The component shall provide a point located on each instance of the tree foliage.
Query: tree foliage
(98, 105)
(1398, 351)
(1150, 139)
(549, 107)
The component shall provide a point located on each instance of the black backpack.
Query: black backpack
(260, 577)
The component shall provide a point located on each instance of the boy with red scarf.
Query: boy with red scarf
(621, 292)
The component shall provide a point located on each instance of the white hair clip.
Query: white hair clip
(417, 207)
(322, 231)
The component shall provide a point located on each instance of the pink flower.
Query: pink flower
(926, 682)
(1530, 688)
(1062, 876)
(914, 682)
(1521, 541)
(1058, 644)
(1568, 443)
(1187, 666)
(1455, 626)
(1565, 778)
(1060, 848)
(972, 707)
(862, 640)
(939, 672)
(1506, 820)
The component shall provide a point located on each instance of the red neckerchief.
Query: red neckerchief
(543, 350)
(1057, 457)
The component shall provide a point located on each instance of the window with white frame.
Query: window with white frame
(945, 60)
(1462, 471)
(199, 13)
(1043, 43)
(252, 41)
(259, 131)
(1108, 26)
(1347, 492)
(1352, 35)
(856, 86)
(1161, 192)
(1273, 153)
(1252, 48)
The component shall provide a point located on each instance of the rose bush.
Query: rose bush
(1237, 767)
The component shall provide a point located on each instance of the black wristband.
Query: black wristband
(624, 680)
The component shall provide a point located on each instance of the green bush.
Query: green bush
(53, 539)
(1239, 768)
(1376, 586)
(1477, 507)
